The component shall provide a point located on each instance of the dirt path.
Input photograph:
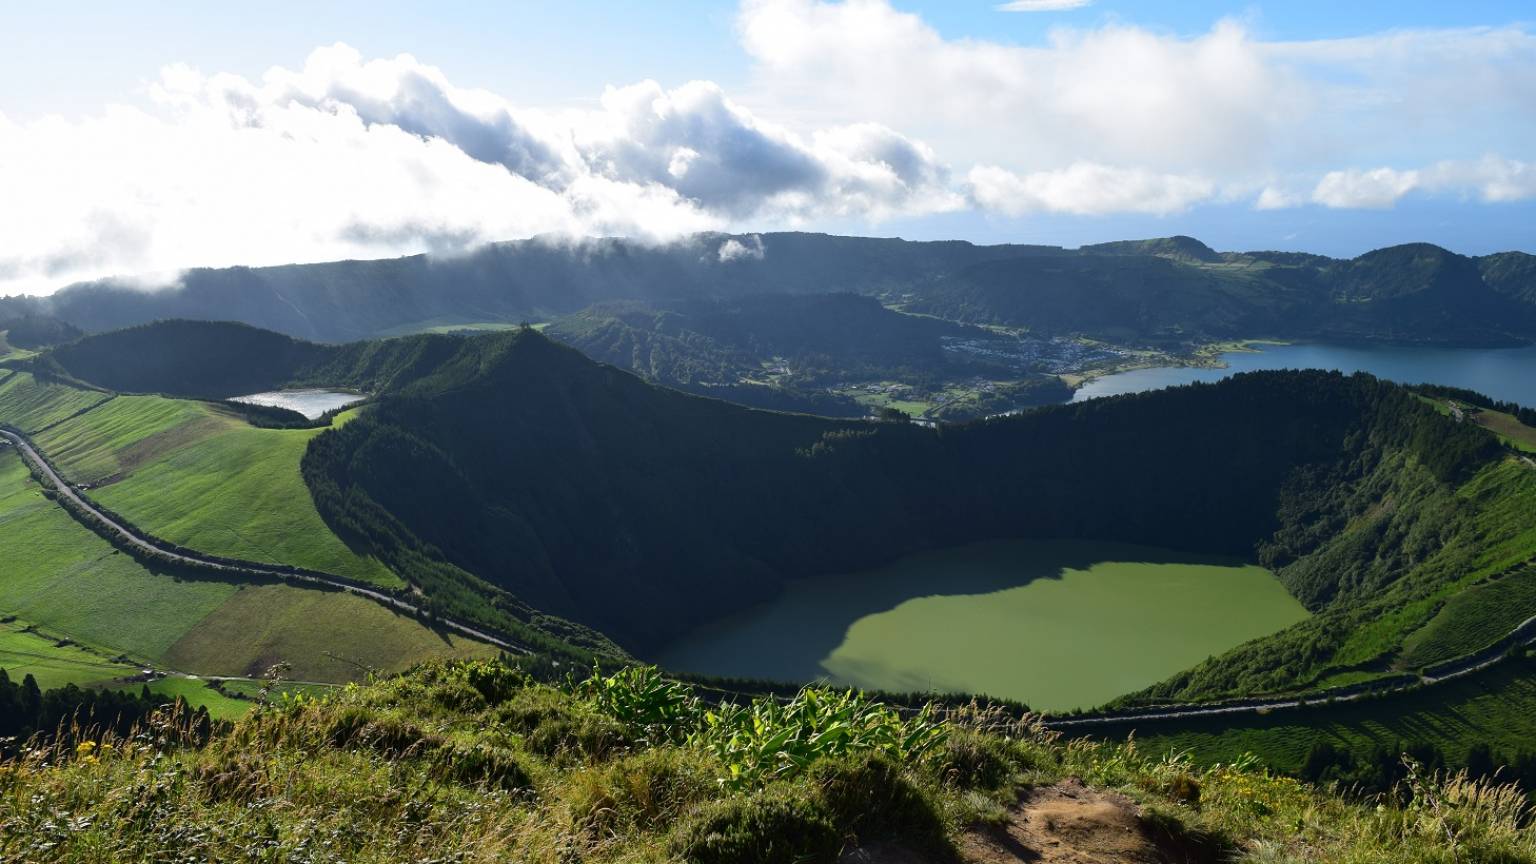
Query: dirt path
(1065, 823)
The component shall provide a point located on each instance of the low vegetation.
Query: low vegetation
(475, 762)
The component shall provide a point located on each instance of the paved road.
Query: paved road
(109, 525)
(1526, 633)
(1474, 664)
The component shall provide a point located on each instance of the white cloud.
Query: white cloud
(1491, 179)
(353, 158)
(1374, 189)
(857, 110)
(1086, 188)
(1222, 104)
(1041, 5)
(735, 250)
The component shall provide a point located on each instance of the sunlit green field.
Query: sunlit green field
(24, 653)
(1055, 625)
(62, 577)
(30, 404)
(196, 475)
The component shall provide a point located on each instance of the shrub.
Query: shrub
(554, 725)
(648, 791)
(970, 760)
(770, 827)
(481, 764)
(356, 727)
(867, 797)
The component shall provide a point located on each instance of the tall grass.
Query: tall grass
(473, 762)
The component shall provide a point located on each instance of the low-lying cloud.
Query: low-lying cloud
(875, 115)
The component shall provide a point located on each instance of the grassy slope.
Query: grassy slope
(59, 575)
(1496, 594)
(24, 652)
(1495, 707)
(475, 764)
(262, 625)
(30, 404)
(194, 475)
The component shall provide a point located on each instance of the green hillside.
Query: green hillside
(32, 403)
(1173, 289)
(707, 507)
(1494, 709)
(63, 578)
(197, 475)
(810, 353)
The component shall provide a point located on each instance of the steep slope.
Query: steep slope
(586, 492)
(219, 359)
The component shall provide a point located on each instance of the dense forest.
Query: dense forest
(1166, 290)
(218, 359)
(587, 493)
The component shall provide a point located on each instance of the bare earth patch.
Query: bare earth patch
(1066, 823)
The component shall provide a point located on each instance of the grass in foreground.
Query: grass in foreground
(476, 763)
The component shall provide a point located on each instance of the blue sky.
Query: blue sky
(148, 138)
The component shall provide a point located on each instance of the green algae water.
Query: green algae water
(1057, 625)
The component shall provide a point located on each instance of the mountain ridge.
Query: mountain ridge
(1287, 293)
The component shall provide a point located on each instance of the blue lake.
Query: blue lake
(1508, 374)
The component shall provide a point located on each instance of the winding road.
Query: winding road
(1525, 634)
(108, 525)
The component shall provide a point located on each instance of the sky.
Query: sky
(142, 139)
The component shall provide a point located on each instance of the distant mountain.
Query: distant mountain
(32, 330)
(220, 359)
(1168, 289)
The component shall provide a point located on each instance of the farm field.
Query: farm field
(261, 625)
(199, 476)
(24, 652)
(67, 580)
(30, 404)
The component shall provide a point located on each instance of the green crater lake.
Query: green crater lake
(1057, 625)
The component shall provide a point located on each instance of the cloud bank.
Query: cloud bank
(854, 111)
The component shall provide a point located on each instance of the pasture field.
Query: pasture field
(262, 625)
(197, 475)
(1496, 706)
(30, 404)
(24, 652)
(1472, 620)
(1521, 436)
(61, 576)
(125, 433)
(198, 692)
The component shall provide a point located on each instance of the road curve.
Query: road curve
(1475, 663)
(110, 525)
